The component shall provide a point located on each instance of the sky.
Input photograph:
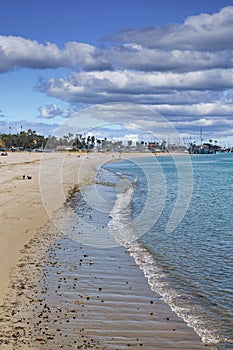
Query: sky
(150, 69)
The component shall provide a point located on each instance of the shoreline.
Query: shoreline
(73, 301)
(38, 216)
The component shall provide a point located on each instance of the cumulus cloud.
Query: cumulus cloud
(201, 109)
(203, 32)
(146, 120)
(134, 87)
(183, 71)
(52, 111)
(17, 52)
(139, 57)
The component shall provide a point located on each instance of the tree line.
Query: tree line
(30, 140)
(23, 140)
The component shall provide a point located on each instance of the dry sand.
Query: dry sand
(98, 311)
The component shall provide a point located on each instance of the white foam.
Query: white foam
(119, 225)
(158, 284)
(123, 232)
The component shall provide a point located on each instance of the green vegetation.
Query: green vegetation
(30, 140)
(22, 141)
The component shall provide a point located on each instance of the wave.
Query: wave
(191, 314)
(119, 225)
(121, 229)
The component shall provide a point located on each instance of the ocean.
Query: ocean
(174, 216)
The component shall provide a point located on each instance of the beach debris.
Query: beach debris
(29, 177)
(3, 154)
(40, 340)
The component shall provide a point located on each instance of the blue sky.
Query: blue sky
(166, 65)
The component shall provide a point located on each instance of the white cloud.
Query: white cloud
(52, 111)
(145, 96)
(137, 87)
(201, 109)
(17, 52)
(139, 57)
(202, 32)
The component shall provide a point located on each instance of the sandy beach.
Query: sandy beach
(22, 207)
(96, 310)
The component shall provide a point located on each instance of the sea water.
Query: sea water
(190, 265)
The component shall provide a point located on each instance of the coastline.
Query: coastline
(66, 295)
(28, 219)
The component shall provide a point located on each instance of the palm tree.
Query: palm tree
(98, 143)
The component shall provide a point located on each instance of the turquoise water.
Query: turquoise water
(190, 266)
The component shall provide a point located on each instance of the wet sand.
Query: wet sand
(72, 296)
